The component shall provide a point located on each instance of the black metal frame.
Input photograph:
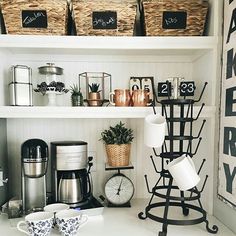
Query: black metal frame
(169, 151)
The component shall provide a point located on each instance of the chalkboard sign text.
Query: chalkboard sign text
(104, 20)
(34, 19)
(174, 20)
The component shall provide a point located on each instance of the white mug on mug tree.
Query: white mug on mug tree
(183, 172)
(154, 130)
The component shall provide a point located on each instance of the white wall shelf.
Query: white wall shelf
(89, 112)
(29, 44)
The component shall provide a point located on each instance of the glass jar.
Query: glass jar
(51, 82)
(50, 74)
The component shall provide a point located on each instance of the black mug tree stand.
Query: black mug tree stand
(174, 146)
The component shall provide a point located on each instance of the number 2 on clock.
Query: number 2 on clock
(164, 89)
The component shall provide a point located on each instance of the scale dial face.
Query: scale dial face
(119, 189)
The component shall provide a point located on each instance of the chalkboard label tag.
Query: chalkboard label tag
(104, 20)
(164, 89)
(174, 20)
(34, 19)
(187, 88)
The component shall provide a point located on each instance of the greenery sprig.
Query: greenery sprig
(94, 88)
(117, 134)
(75, 91)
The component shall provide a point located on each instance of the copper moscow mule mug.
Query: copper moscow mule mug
(120, 97)
(140, 98)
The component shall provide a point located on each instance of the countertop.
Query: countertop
(125, 222)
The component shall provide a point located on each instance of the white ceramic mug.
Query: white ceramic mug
(154, 130)
(183, 172)
(69, 221)
(37, 223)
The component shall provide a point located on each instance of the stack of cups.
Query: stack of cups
(182, 168)
(57, 215)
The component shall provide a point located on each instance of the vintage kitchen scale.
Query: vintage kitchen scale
(119, 189)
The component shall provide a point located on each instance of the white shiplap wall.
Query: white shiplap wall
(89, 130)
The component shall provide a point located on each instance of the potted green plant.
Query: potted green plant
(94, 98)
(117, 140)
(76, 96)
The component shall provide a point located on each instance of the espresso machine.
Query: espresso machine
(34, 158)
(71, 183)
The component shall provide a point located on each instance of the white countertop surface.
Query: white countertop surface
(125, 222)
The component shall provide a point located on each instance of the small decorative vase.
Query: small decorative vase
(76, 100)
(51, 99)
(94, 99)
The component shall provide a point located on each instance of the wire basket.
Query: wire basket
(104, 18)
(174, 17)
(118, 155)
(35, 17)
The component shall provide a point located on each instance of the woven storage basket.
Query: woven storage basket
(118, 155)
(94, 17)
(174, 17)
(44, 17)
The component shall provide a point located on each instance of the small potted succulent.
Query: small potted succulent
(94, 98)
(117, 140)
(76, 96)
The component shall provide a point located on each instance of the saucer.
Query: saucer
(56, 207)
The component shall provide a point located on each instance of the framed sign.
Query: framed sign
(34, 19)
(227, 149)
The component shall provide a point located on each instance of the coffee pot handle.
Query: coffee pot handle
(90, 190)
(22, 222)
(89, 177)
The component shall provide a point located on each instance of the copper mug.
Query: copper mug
(140, 98)
(120, 97)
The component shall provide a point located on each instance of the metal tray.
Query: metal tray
(92, 208)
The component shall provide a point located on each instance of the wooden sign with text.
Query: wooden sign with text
(227, 150)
